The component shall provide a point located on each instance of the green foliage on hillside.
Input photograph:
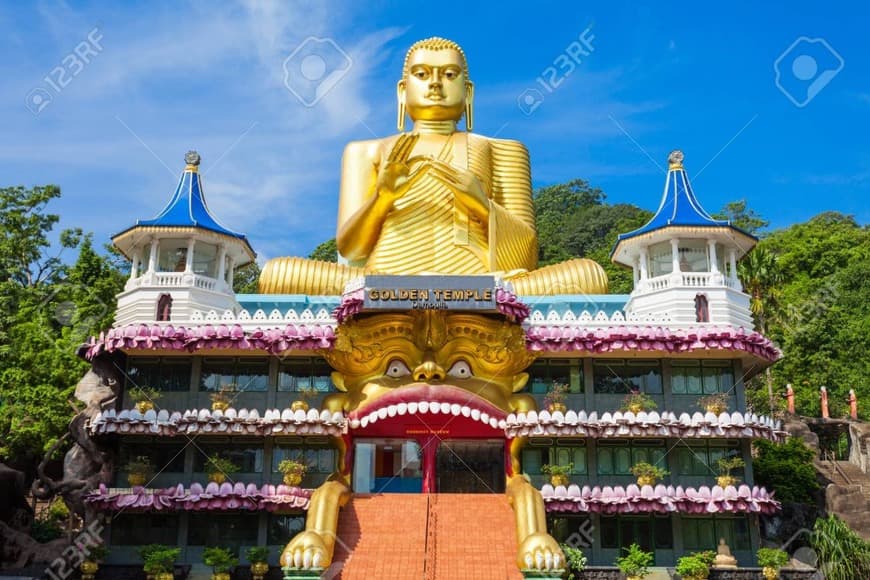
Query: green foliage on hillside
(786, 468)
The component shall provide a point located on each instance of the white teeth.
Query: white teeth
(484, 417)
(455, 409)
(466, 411)
(445, 408)
(493, 422)
(354, 423)
(402, 408)
(382, 412)
(475, 414)
(412, 408)
(423, 406)
(434, 408)
(391, 410)
(365, 421)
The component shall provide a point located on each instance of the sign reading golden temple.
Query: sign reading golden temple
(430, 293)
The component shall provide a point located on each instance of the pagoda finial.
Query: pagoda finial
(675, 159)
(192, 159)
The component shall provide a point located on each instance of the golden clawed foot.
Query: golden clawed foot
(307, 550)
(540, 552)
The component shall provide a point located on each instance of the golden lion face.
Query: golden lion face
(430, 356)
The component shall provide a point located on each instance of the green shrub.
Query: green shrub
(45, 530)
(257, 554)
(158, 558)
(843, 554)
(636, 562)
(220, 559)
(58, 511)
(692, 566)
(786, 469)
(575, 560)
(771, 558)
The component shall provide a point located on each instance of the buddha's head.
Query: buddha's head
(435, 84)
(472, 360)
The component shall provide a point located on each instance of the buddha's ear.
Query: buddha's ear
(520, 381)
(400, 97)
(338, 381)
(469, 105)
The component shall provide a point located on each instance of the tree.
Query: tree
(49, 308)
(327, 251)
(246, 279)
(786, 468)
(743, 217)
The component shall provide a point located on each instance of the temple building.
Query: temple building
(596, 384)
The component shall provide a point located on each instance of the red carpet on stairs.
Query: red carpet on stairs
(426, 537)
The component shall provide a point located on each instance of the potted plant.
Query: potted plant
(144, 398)
(558, 473)
(554, 400)
(726, 466)
(220, 401)
(717, 403)
(294, 471)
(636, 562)
(771, 560)
(305, 394)
(159, 561)
(575, 561)
(221, 561)
(637, 402)
(647, 474)
(693, 567)
(94, 555)
(139, 471)
(258, 556)
(218, 468)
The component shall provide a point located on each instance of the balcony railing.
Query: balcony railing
(688, 280)
(173, 280)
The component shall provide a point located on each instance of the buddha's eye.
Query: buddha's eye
(397, 369)
(421, 74)
(460, 370)
(450, 74)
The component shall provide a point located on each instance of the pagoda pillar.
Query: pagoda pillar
(152, 257)
(188, 265)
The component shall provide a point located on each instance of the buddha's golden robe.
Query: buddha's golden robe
(429, 232)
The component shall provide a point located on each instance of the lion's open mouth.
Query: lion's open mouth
(422, 398)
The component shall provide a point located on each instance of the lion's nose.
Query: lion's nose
(429, 371)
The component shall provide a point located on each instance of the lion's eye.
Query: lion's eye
(460, 370)
(397, 369)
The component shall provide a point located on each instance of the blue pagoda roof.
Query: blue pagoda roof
(188, 208)
(679, 206)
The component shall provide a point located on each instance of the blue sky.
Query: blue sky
(168, 77)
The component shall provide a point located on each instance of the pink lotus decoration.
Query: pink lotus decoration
(208, 337)
(659, 499)
(550, 338)
(226, 496)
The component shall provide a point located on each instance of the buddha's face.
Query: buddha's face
(435, 86)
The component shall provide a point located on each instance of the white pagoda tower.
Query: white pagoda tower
(685, 261)
(182, 260)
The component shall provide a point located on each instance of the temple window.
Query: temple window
(696, 377)
(283, 526)
(205, 260)
(162, 373)
(562, 453)
(616, 457)
(660, 259)
(565, 528)
(649, 532)
(172, 256)
(167, 458)
(543, 374)
(693, 256)
(617, 376)
(700, 458)
(139, 529)
(241, 374)
(302, 374)
(321, 460)
(164, 308)
(702, 308)
(703, 533)
(247, 457)
(231, 530)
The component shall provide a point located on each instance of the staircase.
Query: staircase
(426, 537)
(848, 494)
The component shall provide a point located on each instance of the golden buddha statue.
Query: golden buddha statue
(436, 200)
